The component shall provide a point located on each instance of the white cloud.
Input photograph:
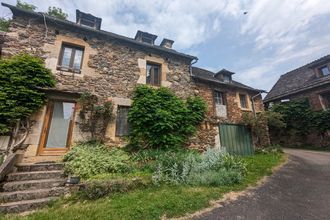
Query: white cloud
(187, 22)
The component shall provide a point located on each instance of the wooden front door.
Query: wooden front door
(57, 129)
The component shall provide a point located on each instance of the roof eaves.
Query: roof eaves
(296, 91)
(227, 84)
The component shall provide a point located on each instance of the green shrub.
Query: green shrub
(21, 78)
(86, 160)
(148, 159)
(160, 119)
(95, 189)
(213, 168)
(221, 177)
(57, 13)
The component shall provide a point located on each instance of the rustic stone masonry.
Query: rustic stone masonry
(111, 69)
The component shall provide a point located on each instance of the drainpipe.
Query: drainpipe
(190, 68)
(252, 102)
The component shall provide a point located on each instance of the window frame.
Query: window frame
(152, 77)
(119, 133)
(321, 72)
(245, 100)
(73, 53)
(215, 97)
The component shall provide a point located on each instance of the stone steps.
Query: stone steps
(15, 196)
(35, 175)
(39, 167)
(32, 186)
(25, 205)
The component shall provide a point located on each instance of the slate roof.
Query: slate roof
(83, 29)
(209, 76)
(298, 80)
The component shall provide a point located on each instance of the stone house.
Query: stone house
(228, 100)
(83, 58)
(311, 82)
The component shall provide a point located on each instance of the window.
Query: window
(122, 125)
(153, 74)
(326, 100)
(324, 70)
(71, 58)
(243, 100)
(219, 98)
(226, 78)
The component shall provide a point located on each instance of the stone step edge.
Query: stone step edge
(27, 202)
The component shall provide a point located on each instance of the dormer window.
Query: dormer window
(226, 78)
(324, 70)
(88, 20)
(145, 37)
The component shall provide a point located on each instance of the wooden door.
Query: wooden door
(57, 129)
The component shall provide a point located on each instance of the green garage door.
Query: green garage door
(236, 139)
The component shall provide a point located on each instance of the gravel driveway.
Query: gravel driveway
(299, 190)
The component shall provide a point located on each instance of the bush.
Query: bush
(86, 160)
(148, 159)
(21, 78)
(160, 119)
(214, 168)
(96, 189)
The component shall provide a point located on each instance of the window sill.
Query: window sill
(246, 110)
(68, 70)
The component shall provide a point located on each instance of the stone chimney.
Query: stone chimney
(167, 43)
(145, 37)
(88, 20)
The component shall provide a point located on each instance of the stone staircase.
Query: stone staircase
(31, 186)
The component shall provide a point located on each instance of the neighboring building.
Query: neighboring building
(228, 100)
(310, 81)
(85, 58)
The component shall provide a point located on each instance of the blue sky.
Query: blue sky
(275, 36)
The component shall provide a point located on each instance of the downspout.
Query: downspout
(190, 67)
(252, 101)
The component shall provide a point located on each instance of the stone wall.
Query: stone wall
(234, 110)
(110, 69)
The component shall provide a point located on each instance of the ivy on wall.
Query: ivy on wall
(160, 119)
(21, 78)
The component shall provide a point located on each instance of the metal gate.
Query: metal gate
(236, 139)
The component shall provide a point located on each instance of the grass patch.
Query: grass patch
(155, 202)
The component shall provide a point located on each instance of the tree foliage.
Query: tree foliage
(57, 13)
(94, 116)
(259, 122)
(301, 119)
(21, 78)
(4, 24)
(159, 119)
(25, 6)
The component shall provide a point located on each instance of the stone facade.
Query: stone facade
(233, 108)
(111, 69)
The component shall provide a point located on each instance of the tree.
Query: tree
(160, 119)
(57, 13)
(21, 78)
(259, 123)
(4, 24)
(25, 6)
